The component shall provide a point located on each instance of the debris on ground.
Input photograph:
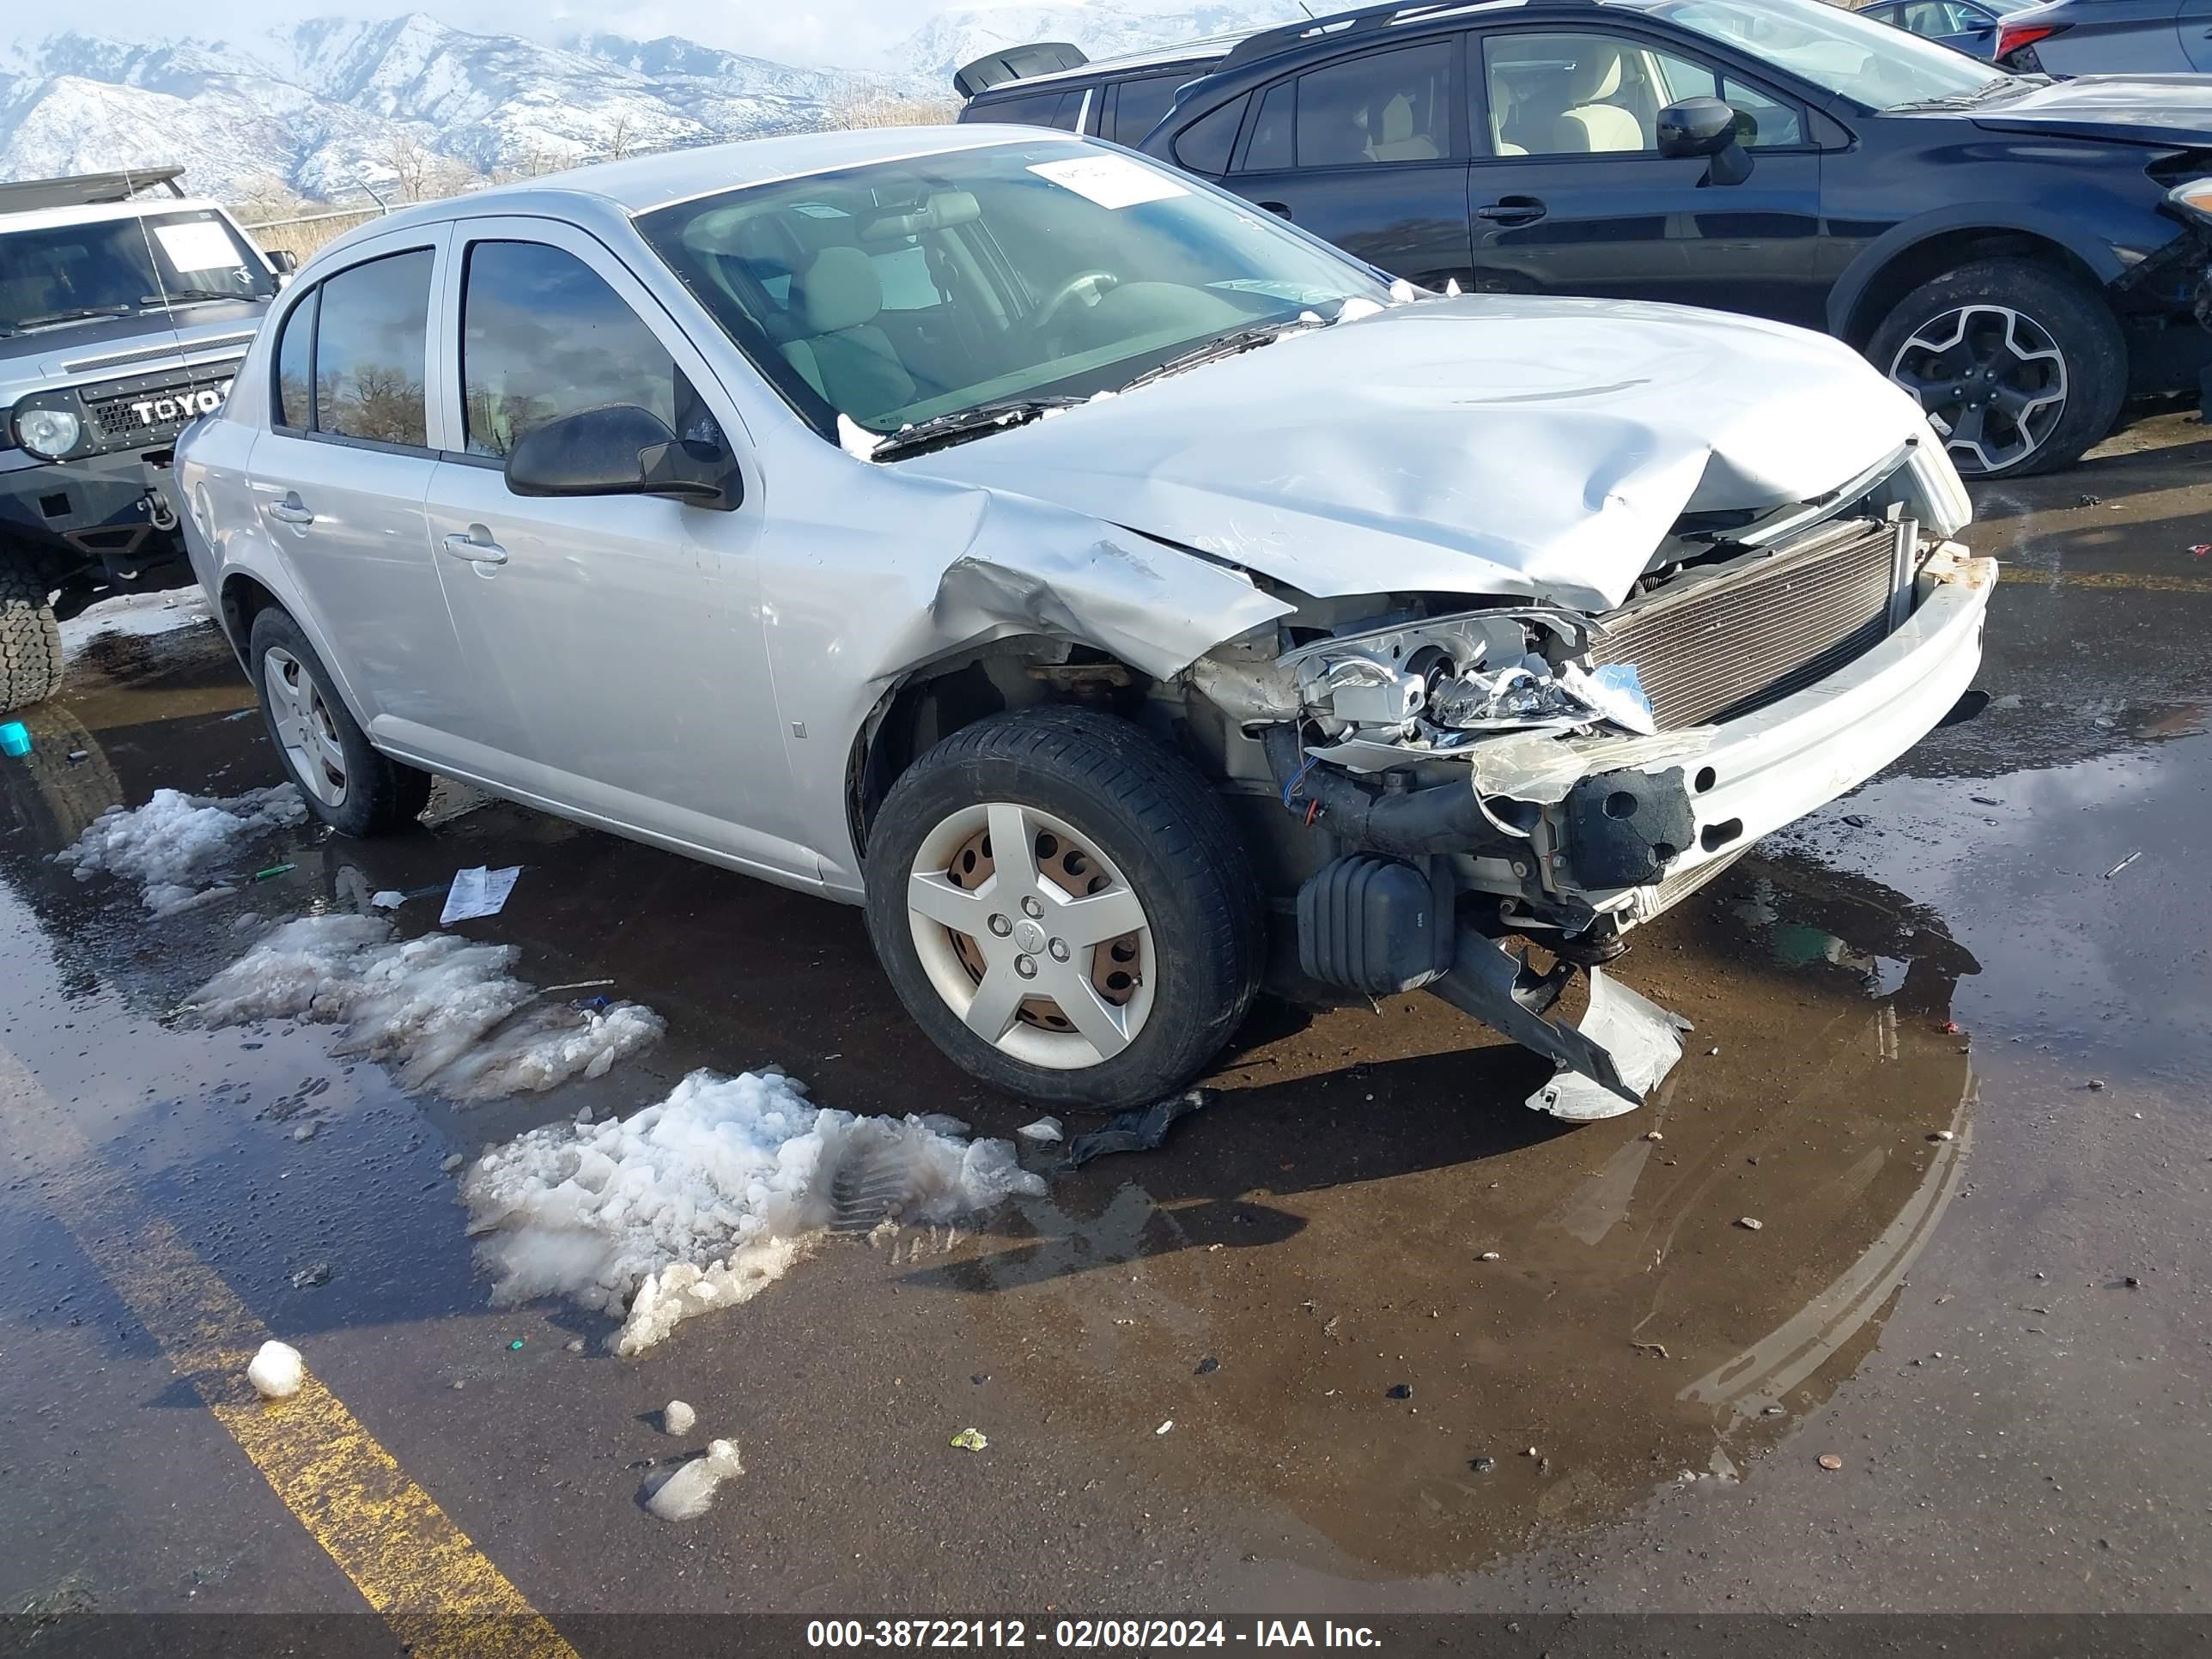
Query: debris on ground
(971, 1440)
(315, 1273)
(1653, 1134)
(1165, 1426)
(14, 740)
(688, 1492)
(574, 1344)
(702, 1200)
(1490, 1255)
(1482, 1465)
(1944, 1134)
(2122, 864)
(173, 845)
(515, 1347)
(1772, 1411)
(1138, 1130)
(1207, 1366)
(677, 1417)
(388, 899)
(444, 1012)
(2096, 1083)
(1045, 1131)
(276, 1370)
(478, 892)
(454, 1162)
(1750, 1224)
(1400, 1391)
(1830, 1461)
(1644, 1040)
(1659, 1348)
(307, 1131)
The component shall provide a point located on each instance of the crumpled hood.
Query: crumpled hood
(1495, 445)
(2141, 109)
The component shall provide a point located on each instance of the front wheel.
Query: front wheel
(1064, 908)
(2020, 367)
(30, 639)
(347, 783)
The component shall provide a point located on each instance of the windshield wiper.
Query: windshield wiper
(75, 314)
(962, 423)
(188, 293)
(1222, 345)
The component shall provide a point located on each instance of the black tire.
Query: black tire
(381, 795)
(2070, 315)
(1148, 814)
(30, 639)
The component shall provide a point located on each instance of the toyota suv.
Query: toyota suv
(124, 307)
(1126, 596)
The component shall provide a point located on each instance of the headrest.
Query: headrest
(1597, 73)
(1398, 119)
(839, 290)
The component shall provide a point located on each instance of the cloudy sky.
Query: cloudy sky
(796, 31)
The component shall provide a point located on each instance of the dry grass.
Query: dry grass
(888, 111)
(304, 236)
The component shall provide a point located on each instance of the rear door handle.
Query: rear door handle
(1513, 210)
(1281, 210)
(291, 510)
(477, 547)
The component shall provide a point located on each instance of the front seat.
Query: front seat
(1591, 123)
(843, 355)
(1397, 141)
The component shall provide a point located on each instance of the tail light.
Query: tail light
(2020, 37)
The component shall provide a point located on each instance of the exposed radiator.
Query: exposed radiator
(1719, 648)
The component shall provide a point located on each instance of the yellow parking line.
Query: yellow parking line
(438, 1593)
(2138, 580)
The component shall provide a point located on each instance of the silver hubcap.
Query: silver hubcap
(305, 730)
(1992, 380)
(1031, 936)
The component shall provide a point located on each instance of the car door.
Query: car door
(2196, 26)
(339, 480)
(617, 638)
(1569, 194)
(1368, 152)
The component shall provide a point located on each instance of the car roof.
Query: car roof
(1128, 66)
(643, 183)
(1332, 29)
(101, 212)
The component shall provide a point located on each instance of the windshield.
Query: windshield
(917, 289)
(54, 274)
(1868, 63)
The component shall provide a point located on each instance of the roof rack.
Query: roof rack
(88, 189)
(1017, 63)
(1269, 42)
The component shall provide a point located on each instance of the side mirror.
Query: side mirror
(620, 449)
(284, 261)
(1706, 127)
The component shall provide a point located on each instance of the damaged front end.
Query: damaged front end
(1456, 779)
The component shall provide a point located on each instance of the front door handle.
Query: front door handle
(476, 547)
(291, 510)
(1513, 210)
(1281, 210)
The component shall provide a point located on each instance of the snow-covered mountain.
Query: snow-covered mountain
(326, 107)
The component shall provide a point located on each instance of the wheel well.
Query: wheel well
(932, 702)
(243, 599)
(1925, 261)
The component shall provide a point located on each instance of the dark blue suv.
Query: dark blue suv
(2021, 255)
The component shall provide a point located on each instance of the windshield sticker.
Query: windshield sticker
(1110, 180)
(202, 245)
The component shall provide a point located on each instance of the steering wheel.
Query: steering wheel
(1092, 284)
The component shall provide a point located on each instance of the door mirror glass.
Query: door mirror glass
(1695, 126)
(621, 450)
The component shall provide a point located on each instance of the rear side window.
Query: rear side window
(296, 365)
(1140, 106)
(1204, 145)
(1384, 107)
(1270, 146)
(372, 344)
(1037, 109)
(543, 336)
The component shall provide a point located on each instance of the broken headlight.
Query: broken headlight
(1438, 684)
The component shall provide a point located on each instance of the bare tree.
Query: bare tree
(409, 163)
(621, 137)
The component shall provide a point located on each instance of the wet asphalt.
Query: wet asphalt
(1956, 1070)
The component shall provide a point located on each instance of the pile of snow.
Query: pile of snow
(705, 1199)
(175, 842)
(276, 1370)
(686, 1494)
(444, 1012)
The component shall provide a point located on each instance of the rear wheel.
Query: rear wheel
(347, 783)
(30, 639)
(2020, 367)
(1063, 907)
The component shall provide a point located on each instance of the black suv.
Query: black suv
(2018, 254)
(124, 307)
(1051, 84)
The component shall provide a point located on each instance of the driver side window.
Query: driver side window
(1580, 92)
